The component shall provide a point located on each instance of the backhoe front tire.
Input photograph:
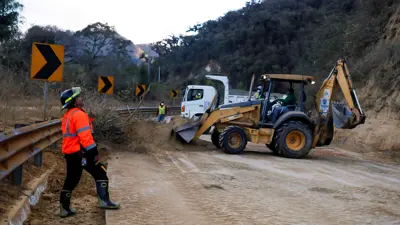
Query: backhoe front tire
(215, 138)
(271, 147)
(293, 139)
(233, 140)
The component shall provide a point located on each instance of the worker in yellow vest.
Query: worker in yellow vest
(161, 112)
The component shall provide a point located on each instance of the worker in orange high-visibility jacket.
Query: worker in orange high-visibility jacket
(80, 152)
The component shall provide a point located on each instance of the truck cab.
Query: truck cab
(192, 107)
(196, 100)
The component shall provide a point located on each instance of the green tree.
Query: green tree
(101, 50)
(9, 19)
(143, 77)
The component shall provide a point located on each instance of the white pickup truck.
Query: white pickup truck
(194, 107)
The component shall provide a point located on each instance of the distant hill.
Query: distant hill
(145, 48)
(82, 44)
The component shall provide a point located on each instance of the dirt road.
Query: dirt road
(209, 187)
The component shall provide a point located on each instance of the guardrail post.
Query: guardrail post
(37, 160)
(16, 175)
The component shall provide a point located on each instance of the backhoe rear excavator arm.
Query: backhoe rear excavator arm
(328, 114)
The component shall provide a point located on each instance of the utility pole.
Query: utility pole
(159, 72)
(148, 66)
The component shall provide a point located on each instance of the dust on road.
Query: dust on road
(209, 187)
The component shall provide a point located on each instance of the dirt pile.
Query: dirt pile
(150, 136)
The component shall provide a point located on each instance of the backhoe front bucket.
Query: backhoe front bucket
(344, 118)
(187, 131)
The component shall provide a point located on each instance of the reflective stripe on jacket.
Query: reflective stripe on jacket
(77, 131)
(161, 110)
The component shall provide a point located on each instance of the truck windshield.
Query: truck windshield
(195, 94)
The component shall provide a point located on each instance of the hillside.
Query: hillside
(380, 93)
(140, 48)
(305, 37)
(84, 43)
(288, 36)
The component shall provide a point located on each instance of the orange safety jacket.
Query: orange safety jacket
(77, 131)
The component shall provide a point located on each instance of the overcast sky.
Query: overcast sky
(141, 21)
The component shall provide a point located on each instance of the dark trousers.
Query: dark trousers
(161, 117)
(278, 111)
(75, 168)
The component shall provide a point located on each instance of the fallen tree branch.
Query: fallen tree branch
(140, 103)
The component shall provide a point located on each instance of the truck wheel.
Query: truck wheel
(233, 140)
(293, 139)
(215, 138)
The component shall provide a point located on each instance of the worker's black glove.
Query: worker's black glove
(92, 154)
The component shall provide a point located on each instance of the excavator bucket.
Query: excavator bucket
(344, 118)
(341, 115)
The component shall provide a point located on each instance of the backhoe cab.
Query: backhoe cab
(281, 124)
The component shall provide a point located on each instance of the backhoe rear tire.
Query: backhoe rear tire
(215, 138)
(293, 139)
(233, 140)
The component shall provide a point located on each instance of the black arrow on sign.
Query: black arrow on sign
(107, 84)
(141, 90)
(52, 62)
(174, 93)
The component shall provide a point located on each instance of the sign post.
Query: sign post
(174, 94)
(45, 91)
(47, 64)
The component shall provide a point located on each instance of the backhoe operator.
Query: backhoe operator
(281, 108)
(80, 152)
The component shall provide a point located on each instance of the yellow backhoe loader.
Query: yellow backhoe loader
(289, 132)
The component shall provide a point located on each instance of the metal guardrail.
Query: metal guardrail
(146, 112)
(21, 144)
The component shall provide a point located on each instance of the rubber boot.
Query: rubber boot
(104, 197)
(65, 202)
